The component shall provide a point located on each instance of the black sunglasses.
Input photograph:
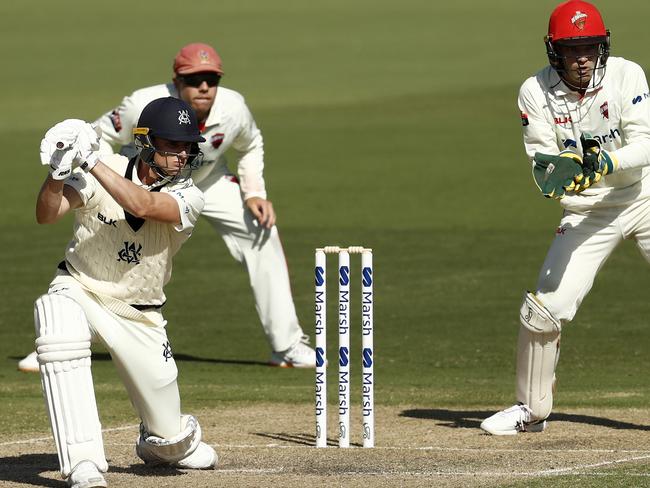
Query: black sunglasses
(196, 79)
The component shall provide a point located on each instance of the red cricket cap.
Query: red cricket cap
(197, 58)
(575, 19)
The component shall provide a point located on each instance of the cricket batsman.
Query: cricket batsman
(130, 218)
(236, 206)
(586, 125)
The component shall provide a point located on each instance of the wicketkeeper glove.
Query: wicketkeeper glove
(555, 175)
(596, 162)
(58, 149)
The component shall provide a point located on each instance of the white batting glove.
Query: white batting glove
(58, 148)
(88, 147)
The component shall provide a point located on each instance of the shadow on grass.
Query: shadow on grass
(301, 439)
(180, 357)
(471, 419)
(26, 469)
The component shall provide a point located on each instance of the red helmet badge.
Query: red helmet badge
(579, 19)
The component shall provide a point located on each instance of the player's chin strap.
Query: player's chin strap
(146, 151)
(596, 79)
(557, 63)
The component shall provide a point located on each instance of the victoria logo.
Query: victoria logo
(167, 351)
(183, 117)
(130, 254)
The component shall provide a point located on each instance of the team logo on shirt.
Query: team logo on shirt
(216, 140)
(604, 110)
(131, 253)
(579, 19)
(524, 119)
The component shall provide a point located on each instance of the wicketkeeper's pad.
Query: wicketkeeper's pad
(538, 351)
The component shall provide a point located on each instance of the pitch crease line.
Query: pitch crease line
(435, 448)
(49, 438)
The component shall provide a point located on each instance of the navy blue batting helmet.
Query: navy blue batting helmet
(169, 118)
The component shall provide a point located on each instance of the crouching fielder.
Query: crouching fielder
(131, 217)
(586, 125)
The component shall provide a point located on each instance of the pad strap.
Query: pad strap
(156, 450)
(536, 317)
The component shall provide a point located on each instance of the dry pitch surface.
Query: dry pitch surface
(271, 445)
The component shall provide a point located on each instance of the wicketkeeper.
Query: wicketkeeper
(130, 218)
(586, 123)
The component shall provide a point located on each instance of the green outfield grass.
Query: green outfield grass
(388, 124)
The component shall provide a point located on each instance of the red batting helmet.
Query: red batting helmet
(576, 22)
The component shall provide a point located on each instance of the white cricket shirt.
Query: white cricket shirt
(115, 254)
(616, 112)
(230, 124)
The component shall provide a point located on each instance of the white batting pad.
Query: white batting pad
(156, 450)
(538, 351)
(63, 346)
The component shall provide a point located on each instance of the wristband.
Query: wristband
(90, 162)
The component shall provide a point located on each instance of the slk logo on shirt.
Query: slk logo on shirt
(216, 140)
(564, 119)
(604, 110)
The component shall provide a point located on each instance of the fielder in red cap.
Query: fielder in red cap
(586, 125)
(236, 205)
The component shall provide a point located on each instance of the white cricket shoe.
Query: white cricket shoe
(86, 475)
(204, 457)
(29, 364)
(512, 421)
(300, 355)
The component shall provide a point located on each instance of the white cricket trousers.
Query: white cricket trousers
(583, 242)
(261, 253)
(142, 356)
